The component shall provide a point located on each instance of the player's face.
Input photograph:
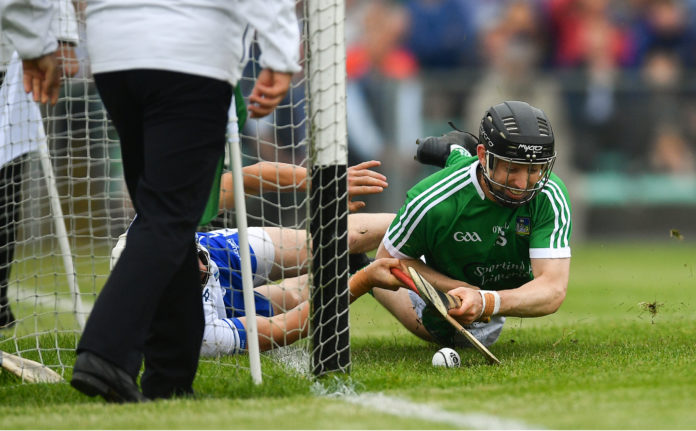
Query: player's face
(516, 180)
(203, 272)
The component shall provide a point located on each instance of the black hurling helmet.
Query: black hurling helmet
(516, 132)
(204, 256)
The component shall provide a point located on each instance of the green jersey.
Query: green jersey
(448, 221)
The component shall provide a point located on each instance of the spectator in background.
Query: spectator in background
(665, 51)
(512, 49)
(20, 118)
(165, 72)
(671, 130)
(380, 76)
(443, 38)
(666, 25)
(589, 47)
(442, 34)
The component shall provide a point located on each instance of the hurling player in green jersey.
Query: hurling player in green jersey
(492, 227)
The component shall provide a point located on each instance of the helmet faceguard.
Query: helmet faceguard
(514, 134)
(204, 256)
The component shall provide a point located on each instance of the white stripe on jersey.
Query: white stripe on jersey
(425, 211)
(560, 209)
(458, 179)
(564, 237)
(549, 253)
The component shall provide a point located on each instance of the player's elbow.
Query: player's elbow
(557, 295)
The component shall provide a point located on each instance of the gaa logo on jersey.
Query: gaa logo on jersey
(467, 237)
(522, 227)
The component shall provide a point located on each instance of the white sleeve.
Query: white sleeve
(6, 50)
(220, 336)
(27, 25)
(20, 118)
(64, 24)
(278, 33)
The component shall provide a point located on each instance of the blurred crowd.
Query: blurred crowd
(616, 78)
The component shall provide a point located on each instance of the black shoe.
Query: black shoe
(93, 375)
(356, 262)
(7, 319)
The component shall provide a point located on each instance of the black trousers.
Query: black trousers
(10, 188)
(172, 131)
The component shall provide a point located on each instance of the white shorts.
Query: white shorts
(262, 246)
(486, 333)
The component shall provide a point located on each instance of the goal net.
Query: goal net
(63, 203)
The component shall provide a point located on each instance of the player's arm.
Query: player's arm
(439, 280)
(376, 274)
(270, 177)
(539, 297)
(282, 329)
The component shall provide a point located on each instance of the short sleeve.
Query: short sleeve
(550, 237)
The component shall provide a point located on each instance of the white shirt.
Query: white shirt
(220, 336)
(27, 25)
(200, 37)
(21, 127)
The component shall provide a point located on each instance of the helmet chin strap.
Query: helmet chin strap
(498, 195)
(204, 255)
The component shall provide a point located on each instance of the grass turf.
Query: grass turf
(619, 354)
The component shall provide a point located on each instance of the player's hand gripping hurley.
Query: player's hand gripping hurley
(442, 302)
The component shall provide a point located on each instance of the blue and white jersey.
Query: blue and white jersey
(223, 245)
(222, 335)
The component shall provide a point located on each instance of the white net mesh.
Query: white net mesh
(51, 278)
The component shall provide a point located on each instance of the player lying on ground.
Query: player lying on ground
(225, 332)
(492, 227)
(276, 254)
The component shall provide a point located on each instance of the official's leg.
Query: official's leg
(170, 195)
(184, 139)
(169, 343)
(110, 349)
(125, 111)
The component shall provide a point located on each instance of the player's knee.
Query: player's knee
(292, 299)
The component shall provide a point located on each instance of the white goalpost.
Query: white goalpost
(72, 205)
(240, 209)
(59, 223)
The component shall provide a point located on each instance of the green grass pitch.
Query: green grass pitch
(619, 354)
